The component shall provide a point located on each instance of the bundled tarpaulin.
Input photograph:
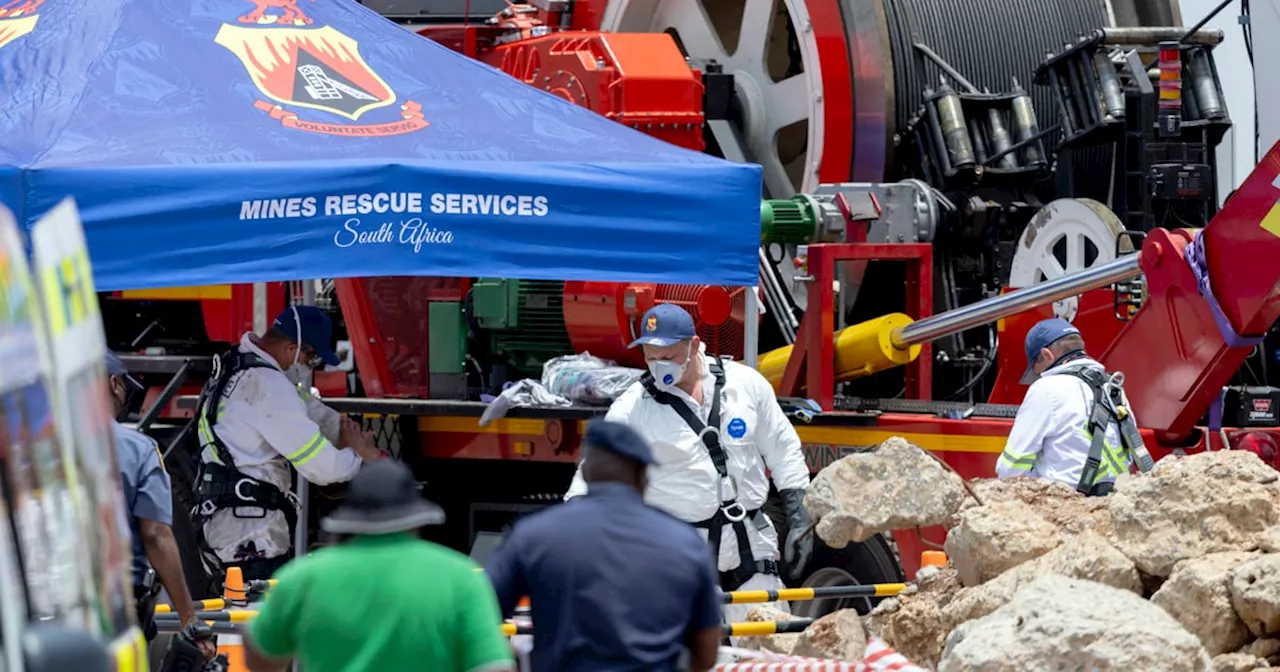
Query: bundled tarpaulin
(878, 658)
(208, 142)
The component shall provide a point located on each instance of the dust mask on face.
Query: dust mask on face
(667, 373)
(299, 373)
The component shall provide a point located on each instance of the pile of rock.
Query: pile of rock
(1179, 569)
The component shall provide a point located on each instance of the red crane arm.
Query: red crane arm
(1185, 343)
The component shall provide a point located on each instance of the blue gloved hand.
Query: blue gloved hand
(797, 550)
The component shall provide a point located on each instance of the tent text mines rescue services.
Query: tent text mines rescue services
(412, 231)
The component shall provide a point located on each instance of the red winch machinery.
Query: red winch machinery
(929, 199)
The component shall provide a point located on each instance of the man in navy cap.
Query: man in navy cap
(716, 427)
(613, 584)
(257, 418)
(1073, 425)
(148, 496)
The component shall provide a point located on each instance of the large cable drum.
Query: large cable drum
(823, 86)
(990, 42)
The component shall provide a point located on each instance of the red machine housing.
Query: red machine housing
(639, 80)
(602, 317)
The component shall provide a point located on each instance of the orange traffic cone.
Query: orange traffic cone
(233, 645)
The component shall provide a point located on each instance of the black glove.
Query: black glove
(798, 548)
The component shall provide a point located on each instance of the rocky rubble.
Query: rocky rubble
(836, 636)
(1179, 569)
(894, 487)
(1056, 623)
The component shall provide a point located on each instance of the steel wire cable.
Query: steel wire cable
(990, 43)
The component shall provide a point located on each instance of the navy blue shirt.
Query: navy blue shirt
(147, 492)
(614, 585)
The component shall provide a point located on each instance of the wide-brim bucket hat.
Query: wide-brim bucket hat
(383, 498)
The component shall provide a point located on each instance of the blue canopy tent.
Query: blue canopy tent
(214, 141)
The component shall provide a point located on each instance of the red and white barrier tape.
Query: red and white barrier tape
(878, 658)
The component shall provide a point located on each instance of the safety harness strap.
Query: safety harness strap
(748, 566)
(220, 485)
(227, 488)
(1104, 411)
(730, 512)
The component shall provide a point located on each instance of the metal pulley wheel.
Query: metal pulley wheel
(790, 63)
(1064, 237)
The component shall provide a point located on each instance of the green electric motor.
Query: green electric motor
(524, 320)
(788, 221)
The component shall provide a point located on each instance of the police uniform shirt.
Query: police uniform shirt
(613, 584)
(148, 493)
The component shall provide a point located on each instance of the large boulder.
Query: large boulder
(1191, 506)
(1255, 593)
(916, 624)
(1068, 510)
(1088, 557)
(988, 540)
(1058, 623)
(1197, 595)
(896, 486)
(836, 636)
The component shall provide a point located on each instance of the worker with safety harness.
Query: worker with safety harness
(1074, 425)
(257, 417)
(715, 427)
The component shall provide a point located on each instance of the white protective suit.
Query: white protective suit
(1049, 438)
(683, 481)
(268, 423)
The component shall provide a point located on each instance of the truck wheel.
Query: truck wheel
(871, 561)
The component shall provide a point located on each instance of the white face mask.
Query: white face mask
(667, 373)
(299, 373)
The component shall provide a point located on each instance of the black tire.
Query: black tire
(869, 562)
(872, 561)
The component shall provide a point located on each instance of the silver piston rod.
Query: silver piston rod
(989, 310)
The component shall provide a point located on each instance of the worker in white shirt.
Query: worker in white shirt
(715, 427)
(257, 417)
(1074, 425)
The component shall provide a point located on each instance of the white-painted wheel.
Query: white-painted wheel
(782, 115)
(1064, 237)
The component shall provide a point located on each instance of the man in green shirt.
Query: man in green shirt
(382, 599)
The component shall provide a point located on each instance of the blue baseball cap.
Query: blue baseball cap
(1045, 333)
(665, 324)
(116, 367)
(314, 328)
(618, 438)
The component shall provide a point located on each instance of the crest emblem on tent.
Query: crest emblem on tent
(312, 68)
(17, 18)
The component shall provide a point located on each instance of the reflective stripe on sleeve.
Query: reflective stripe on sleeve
(308, 452)
(1017, 462)
(205, 434)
